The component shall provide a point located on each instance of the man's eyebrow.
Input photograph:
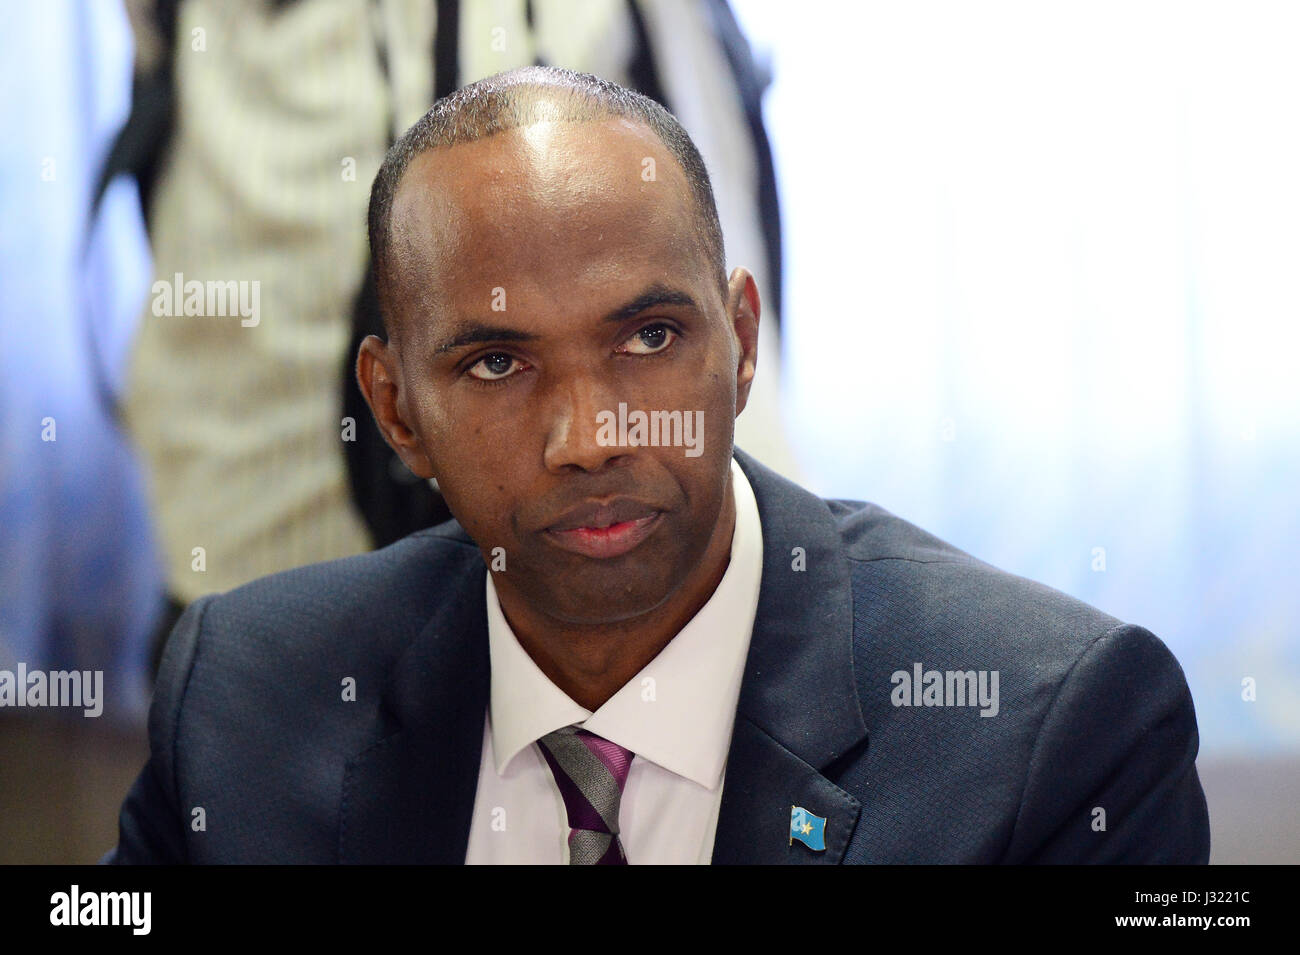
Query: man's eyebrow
(654, 296)
(476, 333)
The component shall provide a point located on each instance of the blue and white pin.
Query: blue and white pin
(807, 828)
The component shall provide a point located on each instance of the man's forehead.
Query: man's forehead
(546, 153)
(544, 175)
(543, 204)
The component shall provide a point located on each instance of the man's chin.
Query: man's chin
(602, 604)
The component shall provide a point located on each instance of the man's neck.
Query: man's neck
(591, 664)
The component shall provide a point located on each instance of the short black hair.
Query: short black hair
(521, 97)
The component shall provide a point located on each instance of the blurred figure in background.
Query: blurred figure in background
(80, 583)
(258, 127)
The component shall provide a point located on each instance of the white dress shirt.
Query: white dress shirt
(676, 715)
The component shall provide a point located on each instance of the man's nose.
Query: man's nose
(573, 438)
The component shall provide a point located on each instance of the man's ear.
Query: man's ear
(742, 311)
(377, 375)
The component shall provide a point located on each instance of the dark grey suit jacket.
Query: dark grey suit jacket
(249, 723)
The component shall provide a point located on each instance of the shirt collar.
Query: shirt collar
(678, 710)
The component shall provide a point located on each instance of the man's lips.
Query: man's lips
(597, 514)
(605, 530)
(605, 542)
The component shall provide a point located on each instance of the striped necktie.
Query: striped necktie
(591, 772)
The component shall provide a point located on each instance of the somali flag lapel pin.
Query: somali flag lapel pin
(807, 828)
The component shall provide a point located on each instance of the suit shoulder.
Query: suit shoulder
(366, 603)
(927, 594)
(276, 684)
(870, 532)
(1080, 706)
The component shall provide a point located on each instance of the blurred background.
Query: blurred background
(1028, 273)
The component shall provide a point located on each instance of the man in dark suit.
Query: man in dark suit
(634, 643)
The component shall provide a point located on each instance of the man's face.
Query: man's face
(540, 280)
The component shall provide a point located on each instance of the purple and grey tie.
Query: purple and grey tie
(591, 772)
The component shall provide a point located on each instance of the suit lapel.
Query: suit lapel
(798, 710)
(408, 798)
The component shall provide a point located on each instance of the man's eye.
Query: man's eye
(651, 339)
(495, 367)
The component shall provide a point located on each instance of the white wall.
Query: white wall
(1043, 297)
